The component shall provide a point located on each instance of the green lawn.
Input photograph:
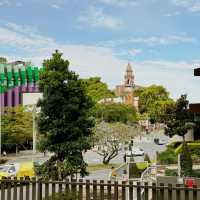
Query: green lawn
(95, 167)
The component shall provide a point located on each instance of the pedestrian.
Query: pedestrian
(124, 158)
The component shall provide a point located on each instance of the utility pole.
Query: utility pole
(34, 129)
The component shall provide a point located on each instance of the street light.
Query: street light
(0, 126)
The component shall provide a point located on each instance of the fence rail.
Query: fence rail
(32, 189)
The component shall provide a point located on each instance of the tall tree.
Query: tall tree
(178, 122)
(17, 125)
(153, 99)
(115, 112)
(3, 60)
(64, 122)
(96, 89)
(109, 136)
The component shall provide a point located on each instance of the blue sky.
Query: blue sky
(161, 39)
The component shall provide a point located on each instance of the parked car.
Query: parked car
(17, 170)
(159, 141)
(135, 151)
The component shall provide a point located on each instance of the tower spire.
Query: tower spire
(129, 76)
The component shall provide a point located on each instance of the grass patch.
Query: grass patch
(96, 167)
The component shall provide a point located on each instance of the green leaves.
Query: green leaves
(17, 125)
(65, 122)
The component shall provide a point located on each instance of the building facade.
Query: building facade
(15, 79)
(125, 92)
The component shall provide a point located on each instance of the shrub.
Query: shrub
(134, 172)
(171, 172)
(3, 160)
(168, 156)
(62, 196)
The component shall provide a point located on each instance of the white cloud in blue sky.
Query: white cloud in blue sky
(99, 37)
(96, 17)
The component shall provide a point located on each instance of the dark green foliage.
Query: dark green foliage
(167, 157)
(115, 113)
(171, 172)
(146, 158)
(65, 123)
(134, 172)
(179, 120)
(96, 89)
(186, 161)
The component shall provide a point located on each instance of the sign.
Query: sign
(29, 99)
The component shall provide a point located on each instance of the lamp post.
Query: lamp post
(0, 126)
(34, 129)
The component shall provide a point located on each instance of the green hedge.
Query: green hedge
(168, 156)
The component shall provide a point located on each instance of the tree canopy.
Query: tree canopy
(115, 112)
(153, 100)
(64, 122)
(17, 125)
(96, 89)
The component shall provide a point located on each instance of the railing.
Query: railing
(26, 189)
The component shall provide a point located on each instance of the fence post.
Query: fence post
(46, 187)
(146, 191)
(80, 189)
(169, 191)
(39, 194)
(109, 190)
(123, 190)
(87, 189)
(161, 197)
(116, 191)
(186, 193)
(74, 189)
(101, 189)
(2, 189)
(60, 190)
(154, 193)
(21, 189)
(8, 188)
(94, 189)
(27, 179)
(67, 189)
(195, 192)
(130, 190)
(138, 191)
(178, 192)
(15, 189)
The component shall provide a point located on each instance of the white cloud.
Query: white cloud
(96, 17)
(191, 5)
(119, 3)
(163, 40)
(55, 6)
(172, 14)
(134, 52)
(151, 40)
(4, 2)
(87, 61)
